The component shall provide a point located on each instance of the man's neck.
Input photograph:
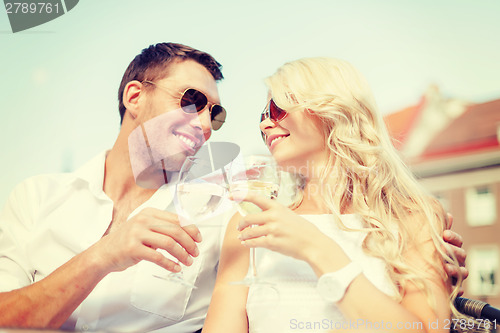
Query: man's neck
(119, 180)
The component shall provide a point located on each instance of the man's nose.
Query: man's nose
(203, 122)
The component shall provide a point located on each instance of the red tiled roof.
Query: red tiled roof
(475, 130)
(400, 124)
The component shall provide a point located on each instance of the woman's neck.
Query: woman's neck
(317, 195)
(312, 201)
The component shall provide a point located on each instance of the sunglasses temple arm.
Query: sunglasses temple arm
(210, 156)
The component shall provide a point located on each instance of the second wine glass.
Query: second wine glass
(256, 174)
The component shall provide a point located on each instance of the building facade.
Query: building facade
(454, 149)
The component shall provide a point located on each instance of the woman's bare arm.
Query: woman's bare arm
(227, 311)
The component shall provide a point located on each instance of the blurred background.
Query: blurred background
(433, 66)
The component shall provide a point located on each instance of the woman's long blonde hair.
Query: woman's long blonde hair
(370, 177)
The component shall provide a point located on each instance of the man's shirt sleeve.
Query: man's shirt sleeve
(16, 220)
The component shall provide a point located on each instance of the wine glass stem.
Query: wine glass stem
(253, 262)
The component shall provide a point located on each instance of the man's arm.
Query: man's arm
(227, 310)
(49, 302)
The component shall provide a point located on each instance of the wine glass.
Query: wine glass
(256, 174)
(199, 193)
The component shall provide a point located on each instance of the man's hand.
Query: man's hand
(456, 242)
(138, 238)
(49, 302)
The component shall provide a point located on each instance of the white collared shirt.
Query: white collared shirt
(49, 219)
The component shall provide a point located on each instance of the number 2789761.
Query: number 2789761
(31, 8)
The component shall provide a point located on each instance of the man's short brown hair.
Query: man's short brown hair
(152, 64)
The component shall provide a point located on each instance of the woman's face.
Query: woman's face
(296, 142)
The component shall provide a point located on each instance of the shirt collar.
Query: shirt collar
(92, 173)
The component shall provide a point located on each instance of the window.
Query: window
(480, 206)
(483, 264)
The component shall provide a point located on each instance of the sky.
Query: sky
(59, 81)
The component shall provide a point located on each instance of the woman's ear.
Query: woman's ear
(131, 97)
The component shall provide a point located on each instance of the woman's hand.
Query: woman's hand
(279, 229)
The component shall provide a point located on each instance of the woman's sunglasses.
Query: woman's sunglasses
(194, 97)
(274, 112)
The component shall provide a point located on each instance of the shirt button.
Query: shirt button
(85, 327)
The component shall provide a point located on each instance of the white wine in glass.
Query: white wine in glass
(265, 189)
(198, 200)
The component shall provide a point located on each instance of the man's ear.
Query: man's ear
(131, 96)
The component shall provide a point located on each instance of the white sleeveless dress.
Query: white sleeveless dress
(291, 303)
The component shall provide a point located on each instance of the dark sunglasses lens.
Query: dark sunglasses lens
(193, 97)
(275, 112)
(218, 116)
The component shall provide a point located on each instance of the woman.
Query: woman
(363, 227)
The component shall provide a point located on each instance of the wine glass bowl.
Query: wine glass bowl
(199, 193)
(257, 174)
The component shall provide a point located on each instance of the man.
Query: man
(87, 241)
(84, 250)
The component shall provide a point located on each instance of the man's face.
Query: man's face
(170, 134)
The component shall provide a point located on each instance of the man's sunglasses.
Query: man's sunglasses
(194, 97)
(274, 112)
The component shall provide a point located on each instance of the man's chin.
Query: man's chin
(161, 172)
